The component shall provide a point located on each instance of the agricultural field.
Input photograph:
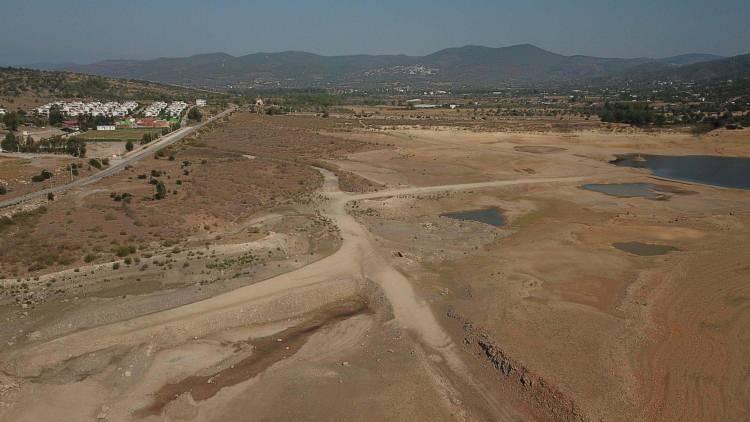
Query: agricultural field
(119, 135)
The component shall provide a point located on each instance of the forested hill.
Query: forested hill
(451, 67)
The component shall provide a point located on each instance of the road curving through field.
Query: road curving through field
(357, 260)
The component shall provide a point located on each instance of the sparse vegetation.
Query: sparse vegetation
(16, 82)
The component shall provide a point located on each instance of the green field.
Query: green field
(119, 135)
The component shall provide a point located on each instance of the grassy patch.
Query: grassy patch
(527, 219)
(119, 135)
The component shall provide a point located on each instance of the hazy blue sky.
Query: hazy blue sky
(89, 30)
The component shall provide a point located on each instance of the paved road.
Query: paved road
(131, 158)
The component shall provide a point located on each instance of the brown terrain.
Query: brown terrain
(302, 267)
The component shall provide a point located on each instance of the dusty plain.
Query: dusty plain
(299, 268)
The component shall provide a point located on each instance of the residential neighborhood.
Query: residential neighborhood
(95, 108)
(73, 122)
(159, 107)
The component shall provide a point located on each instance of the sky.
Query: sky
(85, 31)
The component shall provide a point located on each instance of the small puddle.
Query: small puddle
(728, 172)
(626, 190)
(491, 216)
(637, 190)
(644, 249)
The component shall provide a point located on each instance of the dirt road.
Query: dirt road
(356, 260)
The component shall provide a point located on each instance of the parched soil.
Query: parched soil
(548, 295)
(260, 285)
(16, 172)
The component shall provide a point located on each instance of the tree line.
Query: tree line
(56, 145)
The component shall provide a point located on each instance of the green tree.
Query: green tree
(11, 121)
(195, 115)
(9, 142)
(55, 116)
(129, 146)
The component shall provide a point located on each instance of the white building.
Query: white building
(200, 103)
(2, 111)
(106, 127)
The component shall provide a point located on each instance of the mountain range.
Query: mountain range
(472, 66)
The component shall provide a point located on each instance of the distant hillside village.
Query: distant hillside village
(51, 127)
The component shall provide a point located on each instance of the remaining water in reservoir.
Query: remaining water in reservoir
(626, 190)
(491, 216)
(728, 172)
(644, 249)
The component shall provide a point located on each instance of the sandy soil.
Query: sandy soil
(349, 296)
(609, 330)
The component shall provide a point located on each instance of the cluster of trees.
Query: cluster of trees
(641, 114)
(195, 115)
(99, 164)
(152, 136)
(11, 121)
(56, 145)
(87, 122)
(637, 114)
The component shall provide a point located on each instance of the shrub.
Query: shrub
(275, 110)
(95, 163)
(44, 175)
(161, 190)
(123, 250)
(129, 146)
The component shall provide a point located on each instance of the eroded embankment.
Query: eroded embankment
(545, 399)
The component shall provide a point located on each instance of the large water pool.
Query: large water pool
(728, 172)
